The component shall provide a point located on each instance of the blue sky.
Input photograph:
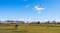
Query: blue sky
(30, 10)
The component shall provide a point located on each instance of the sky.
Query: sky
(30, 10)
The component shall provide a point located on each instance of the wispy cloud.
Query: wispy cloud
(38, 8)
(25, 0)
(21, 19)
(28, 19)
(46, 19)
(27, 6)
(39, 12)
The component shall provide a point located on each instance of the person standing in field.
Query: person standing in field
(16, 26)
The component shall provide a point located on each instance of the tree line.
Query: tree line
(38, 22)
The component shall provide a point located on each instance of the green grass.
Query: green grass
(30, 28)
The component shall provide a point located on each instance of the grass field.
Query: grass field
(30, 28)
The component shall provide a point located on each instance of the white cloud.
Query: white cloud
(38, 8)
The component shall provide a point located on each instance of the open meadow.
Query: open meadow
(30, 28)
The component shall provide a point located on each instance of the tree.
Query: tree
(54, 22)
(8, 21)
(48, 22)
(38, 22)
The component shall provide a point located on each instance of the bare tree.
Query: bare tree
(54, 22)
